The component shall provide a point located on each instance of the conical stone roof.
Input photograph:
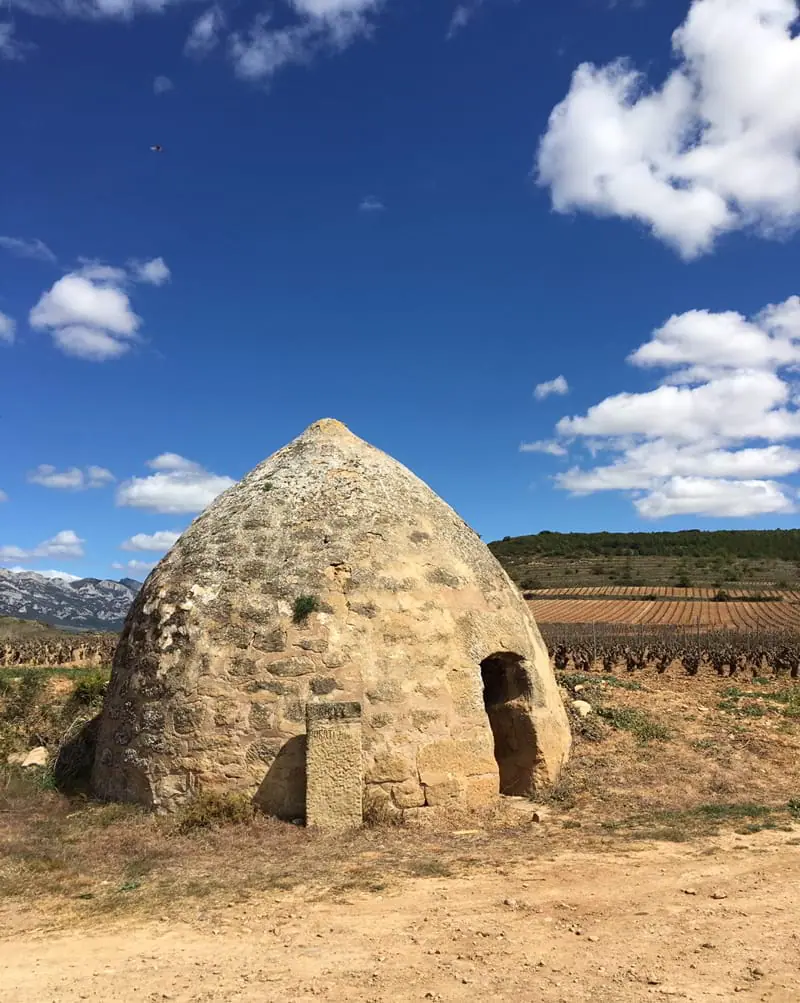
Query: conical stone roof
(413, 618)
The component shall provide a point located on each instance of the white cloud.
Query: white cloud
(49, 477)
(178, 486)
(88, 311)
(371, 204)
(543, 446)
(134, 566)
(462, 16)
(714, 438)
(205, 33)
(715, 149)
(154, 272)
(73, 479)
(172, 461)
(8, 327)
(96, 10)
(65, 575)
(76, 299)
(162, 84)
(715, 497)
(98, 477)
(558, 386)
(162, 540)
(322, 25)
(3, 497)
(10, 47)
(28, 248)
(89, 343)
(64, 544)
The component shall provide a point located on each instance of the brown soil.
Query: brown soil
(634, 924)
(667, 868)
(695, 613)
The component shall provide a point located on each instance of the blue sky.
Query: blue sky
(407, 215)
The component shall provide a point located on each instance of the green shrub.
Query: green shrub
(304, 606)
(212, 808)
(635, 721)
(90, 690)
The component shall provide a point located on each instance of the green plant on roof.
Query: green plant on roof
(304, 606)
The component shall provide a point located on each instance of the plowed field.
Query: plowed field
(664, 612)
(669, 591)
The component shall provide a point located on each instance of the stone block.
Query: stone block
(461, 757)
(409, 794)
(441, 788)
(379, 809)
(390, 767)
(298, 666)
(334, 766)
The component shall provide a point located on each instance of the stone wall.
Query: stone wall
(215, 669)
(334, 767)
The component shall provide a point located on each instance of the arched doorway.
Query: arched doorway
(507, 698)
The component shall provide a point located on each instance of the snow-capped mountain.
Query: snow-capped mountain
(76, 603)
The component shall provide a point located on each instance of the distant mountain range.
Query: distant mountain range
(72, 604)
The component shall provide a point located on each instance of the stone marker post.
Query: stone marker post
(334, 765)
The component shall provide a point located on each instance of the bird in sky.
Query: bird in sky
(157, 148)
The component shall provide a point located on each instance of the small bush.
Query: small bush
(635, 721)
(304, 606)
(91, 690)
(212, 808)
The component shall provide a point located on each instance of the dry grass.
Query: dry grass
(717, 769)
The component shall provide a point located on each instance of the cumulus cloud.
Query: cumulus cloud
(134, 565)
(550, 447)
(67, 543)
(205, 33)
(88, 312)
(73, 479)
(10, 47)
(8, 328)
(154, 272)
(715, 148)
(95, 10)
(462, 16)
(715, 436)
(28, 248)
(64, 575)
(160, 541)
(162, 84)
(558, 386)
(715, 497)
(371, 204)
(321, 26)
(177, 486)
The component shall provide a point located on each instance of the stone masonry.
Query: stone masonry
(329, 575)
(334, 767)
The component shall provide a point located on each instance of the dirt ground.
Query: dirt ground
(715, 920)
(667, 866)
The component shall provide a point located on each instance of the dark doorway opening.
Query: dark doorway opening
(507, 698)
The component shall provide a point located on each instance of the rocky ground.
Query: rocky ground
(705, 921)
(665, 866)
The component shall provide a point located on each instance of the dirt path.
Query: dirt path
(715, 919)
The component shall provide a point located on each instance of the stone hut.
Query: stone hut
(330, 585)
